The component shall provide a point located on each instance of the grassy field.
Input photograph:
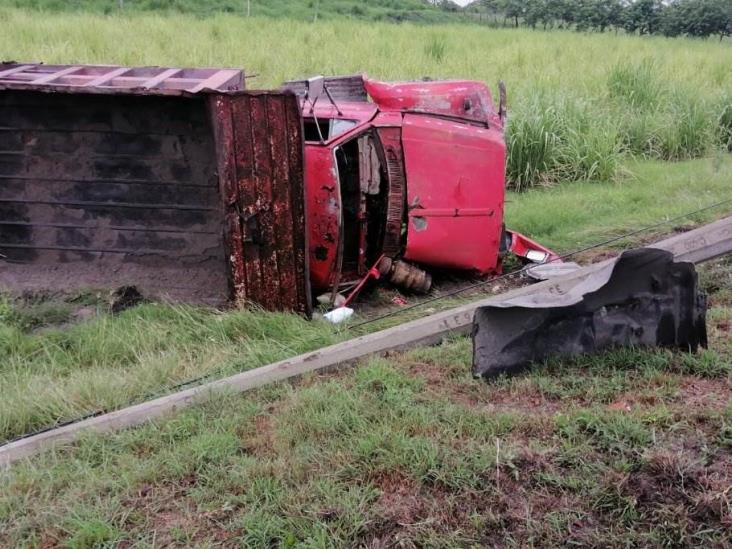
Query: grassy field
(578, 102)
(419, 11)
(631, 447)
(50, 375)
(628, 448)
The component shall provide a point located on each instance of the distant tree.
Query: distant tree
(699, 18)
(670, 17)
(564, 11)
(514, 10)
(536, 12)
(610, 14)
(643, 16)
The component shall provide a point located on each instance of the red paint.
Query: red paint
(459, 98)
(323, 199)
(445, 141)
(455, 188)
(522, 246)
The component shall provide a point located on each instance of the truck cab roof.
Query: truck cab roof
(359, 98)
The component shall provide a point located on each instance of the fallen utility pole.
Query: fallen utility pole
(698, 245)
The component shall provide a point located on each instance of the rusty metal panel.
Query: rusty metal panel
(391, 139)
(341, 88)
(260, 156)
(101, 191)
(113, 79)
(151, 177)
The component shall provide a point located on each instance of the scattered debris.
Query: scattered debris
(328, 299)
(336, 316)
(642, 298)
(123, 298)
(620, 406)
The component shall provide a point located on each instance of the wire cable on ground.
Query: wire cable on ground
(529, 266)
(215, 374)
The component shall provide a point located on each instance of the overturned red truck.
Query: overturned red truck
(184, 184)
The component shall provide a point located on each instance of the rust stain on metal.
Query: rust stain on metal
(114, 79)
(405, 275)
(261, 167)
(173, 180)
(391, 139)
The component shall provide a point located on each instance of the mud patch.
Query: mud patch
(261, 442)
(705, 394)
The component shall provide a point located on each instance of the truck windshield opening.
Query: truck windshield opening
(329, 128)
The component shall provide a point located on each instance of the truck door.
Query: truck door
(455, 192)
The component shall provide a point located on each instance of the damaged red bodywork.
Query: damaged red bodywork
(413, 171)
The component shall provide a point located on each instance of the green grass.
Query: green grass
(51, 375)
(568, 217)
(111, 361)
(418, 11)
(578, 102)
(409, 450)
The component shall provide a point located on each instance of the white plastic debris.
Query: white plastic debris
(336, 316)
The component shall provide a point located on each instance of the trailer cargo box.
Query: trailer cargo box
(176, 181)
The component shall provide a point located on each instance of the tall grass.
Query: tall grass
(303, 10)
(724, 121)
(576, 101)
(636, 84)
(436, 47)
(559, 136)
(112, 361)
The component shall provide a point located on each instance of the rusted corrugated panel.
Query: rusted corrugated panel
(151, 177)
(113, 79)
(101, 191)
(260, 154)
(343, 88)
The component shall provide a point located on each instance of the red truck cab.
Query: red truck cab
(410, 171)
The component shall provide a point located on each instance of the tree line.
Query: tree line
(697, 18)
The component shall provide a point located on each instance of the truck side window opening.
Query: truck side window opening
(367, 230)
(347, 158)
(329, 128)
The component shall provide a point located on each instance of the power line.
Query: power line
(529, 266)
